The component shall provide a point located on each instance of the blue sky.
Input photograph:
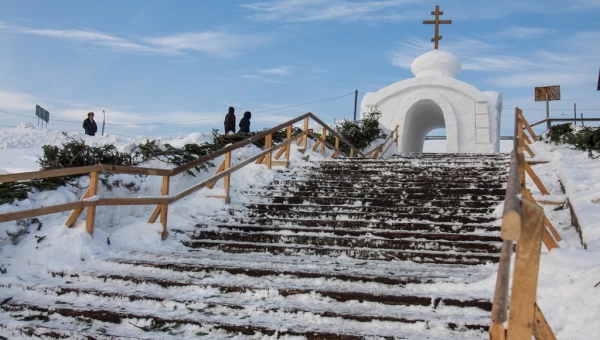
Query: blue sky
(150, 64)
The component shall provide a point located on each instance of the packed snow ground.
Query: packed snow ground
(568, 289)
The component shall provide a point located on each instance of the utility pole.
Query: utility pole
(355, 101)
(548, 125)
(575, 113)
(103, 121)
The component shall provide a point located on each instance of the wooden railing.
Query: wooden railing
(378, 151)
(90, 200)
(525, 223)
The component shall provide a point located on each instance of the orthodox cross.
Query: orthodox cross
(437, 23)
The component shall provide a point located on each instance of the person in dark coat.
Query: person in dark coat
(89, 125)
(245, 123)
(230, 120)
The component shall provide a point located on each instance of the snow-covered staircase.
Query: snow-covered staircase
(401, 248)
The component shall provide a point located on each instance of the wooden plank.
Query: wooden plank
(323, 137)
(133, 170)
(23, 176)
(269, 155)
(528, 127)
(261, 160)
(77, 212)
(525, 278)
(288, 148)
(521, 164)
(511, 215)
(279, 153)
(280, 163)
(541, 328)
(526, 139)
(227, 178)
(133, 201)
(351, 152)
(317, 143)
(388, 147)
(91, 210)
(164, 208)
(500, 302)
(549, 242)
(219, 170)
(305, 137)
(154, 215)
(497, 332)
(337, 146)
(528, 149)
(18, 215)
(536, 179)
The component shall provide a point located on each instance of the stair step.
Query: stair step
(356, 253)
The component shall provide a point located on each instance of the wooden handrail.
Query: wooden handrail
(229, 148)
(165, 199)
(383, 143)
(522, 221)
(335, 134)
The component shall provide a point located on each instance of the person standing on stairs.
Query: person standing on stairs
(230, 120)
(245, 123)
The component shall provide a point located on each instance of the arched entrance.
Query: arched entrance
(422, 113)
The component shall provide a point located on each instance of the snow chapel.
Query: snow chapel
(435, 99)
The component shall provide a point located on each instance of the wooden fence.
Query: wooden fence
(525, 223)
(90, 200)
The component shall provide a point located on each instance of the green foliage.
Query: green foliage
(169, 154)
(586, 138)
(360, 133)
(76, 153)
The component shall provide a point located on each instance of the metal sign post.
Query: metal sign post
(103, 121)
(547, 93)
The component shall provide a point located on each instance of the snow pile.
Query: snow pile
(437, 64)
(569, 281)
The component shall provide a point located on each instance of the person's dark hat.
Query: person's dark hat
(247, 114)
(231, 109)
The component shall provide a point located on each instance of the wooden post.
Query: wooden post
(219, 170)
(351, 152)
(268, 156)
(337, 146)
(288, 148)
(227, 178)
(323, 136)
(91, 210)
(164, 208)
(305, 137)
(525, 279)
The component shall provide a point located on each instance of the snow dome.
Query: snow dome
(436, 63)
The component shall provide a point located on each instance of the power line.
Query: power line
(585, 78)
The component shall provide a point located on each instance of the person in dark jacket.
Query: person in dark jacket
(89, 125)
(245, 123)
(230, 120)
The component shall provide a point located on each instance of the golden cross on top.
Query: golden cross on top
(437, 23)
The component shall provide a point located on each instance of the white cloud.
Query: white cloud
(525, 32)
(218, 43)
(15, 101)
(224, 44)
(322, 10)
(261, 78)
(280, 71)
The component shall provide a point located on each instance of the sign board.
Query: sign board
(42, 114)
(552, 91)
